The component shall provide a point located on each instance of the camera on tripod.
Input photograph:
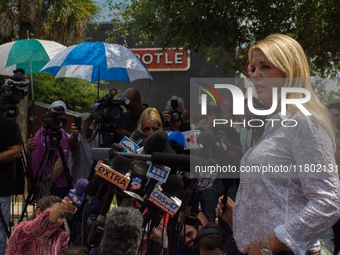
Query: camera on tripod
(175, 115)
(11, 94)
(108, 111)
(53, 119)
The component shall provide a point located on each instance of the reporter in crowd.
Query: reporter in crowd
(81, 143)
(42, 235)
(38, 145)
(190, 245)
(150, 121)
(10, 150)
(286, 213)
(134, 110)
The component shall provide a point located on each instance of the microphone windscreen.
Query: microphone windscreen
(117, 147)
(176, 138)
(121, 164)
(169, 159)
(179, 149)
(169, 150)
(206, 138)
(123, 230)
(139, 168)
(137, 136)
(81, 185)
(173, 185)
(157, 142)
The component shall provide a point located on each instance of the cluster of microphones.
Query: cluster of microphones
(152, 175)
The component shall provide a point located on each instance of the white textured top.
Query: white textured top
(299, 207)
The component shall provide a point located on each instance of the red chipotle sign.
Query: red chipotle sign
(155, 59)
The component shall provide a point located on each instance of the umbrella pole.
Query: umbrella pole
(33, 101)
(98, 81)
(32, 81)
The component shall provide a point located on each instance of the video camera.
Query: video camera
(175, 115)
(11, 94)
(53, 119)
(108, 112)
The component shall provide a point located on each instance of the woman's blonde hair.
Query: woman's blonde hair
(149, 113)
(287, 55)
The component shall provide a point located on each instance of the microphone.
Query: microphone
(123, 230)
(138, 178)
(164, 200)
(161, 158)
(206, 138)
(228, 182)
(157, 142)
(118, 180)
(77, 195)
(137, 136)
(177, 141)
(106, 153)
(164, 197)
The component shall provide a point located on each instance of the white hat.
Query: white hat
(57, 104)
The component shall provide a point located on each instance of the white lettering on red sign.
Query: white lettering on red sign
(155, 59)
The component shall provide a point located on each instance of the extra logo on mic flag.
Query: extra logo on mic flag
(113, 176)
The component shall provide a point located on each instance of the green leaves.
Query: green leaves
(214, 25)
(79, 95)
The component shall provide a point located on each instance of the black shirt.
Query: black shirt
(9, 136)
(130, 121)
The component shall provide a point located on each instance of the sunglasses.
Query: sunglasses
(148, 129)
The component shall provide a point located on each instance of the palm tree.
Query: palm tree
(64, 21)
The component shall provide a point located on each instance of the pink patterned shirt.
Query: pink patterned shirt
(27, 237)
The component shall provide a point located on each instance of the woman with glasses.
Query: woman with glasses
(43, 234)
(150, 121)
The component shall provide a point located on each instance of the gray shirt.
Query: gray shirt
(298, 207)
(81, 161)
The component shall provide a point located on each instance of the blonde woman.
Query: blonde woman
(150, 121)
(287, 212)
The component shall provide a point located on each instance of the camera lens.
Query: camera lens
(175, 116)
(115, 113)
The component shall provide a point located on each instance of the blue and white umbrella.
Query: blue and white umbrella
(96, 62)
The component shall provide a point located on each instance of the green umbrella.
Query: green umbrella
(30, 55)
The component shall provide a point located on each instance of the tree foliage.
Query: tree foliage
(224, 29)
(78, 95)
(64, 21)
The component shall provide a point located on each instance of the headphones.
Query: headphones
(206, 232)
